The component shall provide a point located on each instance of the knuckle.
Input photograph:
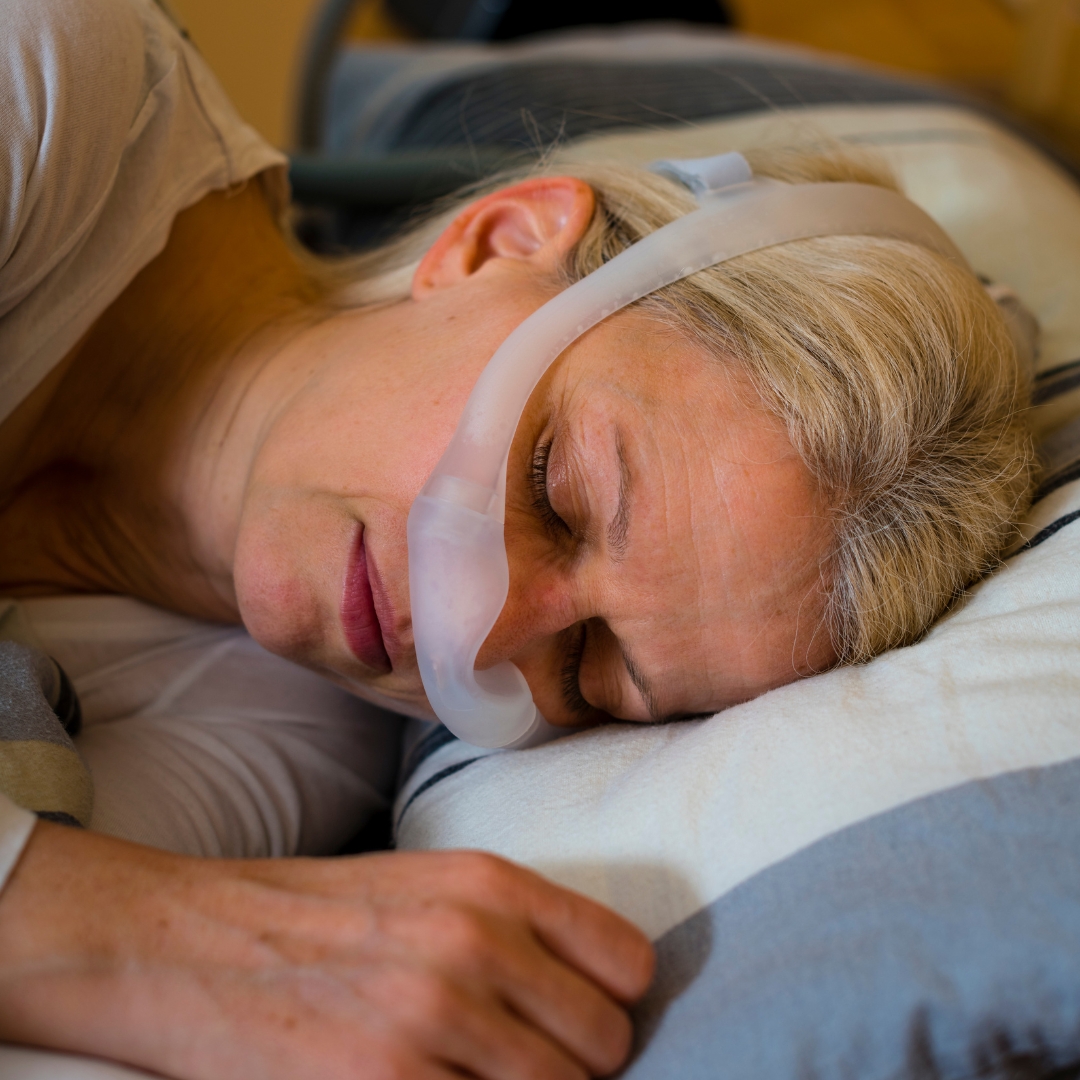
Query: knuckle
(462, 934)
(486, 874)
(432, 1000)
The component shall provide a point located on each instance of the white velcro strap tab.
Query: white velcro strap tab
(708, 174)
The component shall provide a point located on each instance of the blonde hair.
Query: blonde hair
(893, 369)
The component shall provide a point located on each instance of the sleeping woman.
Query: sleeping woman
(789, 461)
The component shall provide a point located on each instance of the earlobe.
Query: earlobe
(536, 222)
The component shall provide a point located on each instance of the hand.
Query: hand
(413, 965)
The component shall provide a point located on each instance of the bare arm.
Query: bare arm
(400, 965)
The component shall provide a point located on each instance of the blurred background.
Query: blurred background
(1023, 55)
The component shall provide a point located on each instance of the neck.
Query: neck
(121, 467)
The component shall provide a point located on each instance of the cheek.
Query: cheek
(382, 448)
(288, 571)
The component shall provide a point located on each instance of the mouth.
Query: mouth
(359, 616)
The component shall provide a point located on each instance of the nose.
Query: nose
(537, 630)
(539, 606)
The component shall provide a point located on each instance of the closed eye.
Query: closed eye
(570, 676)
(538, 489)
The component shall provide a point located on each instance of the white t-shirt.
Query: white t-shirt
(110, 125)
(197, 740)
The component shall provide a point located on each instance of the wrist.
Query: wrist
(86, 933)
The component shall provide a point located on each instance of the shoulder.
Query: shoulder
(74, 76)
(52, 48)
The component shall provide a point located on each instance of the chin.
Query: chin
(292, 638)
(404, 702)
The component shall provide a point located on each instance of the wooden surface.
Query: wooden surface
(255, 48)
(970, 40)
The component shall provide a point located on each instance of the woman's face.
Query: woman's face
(664, 538)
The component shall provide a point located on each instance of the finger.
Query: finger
(508, 1049)
(565, 1005)
(390, 1063)
(605, 947)
(475, 1032)
(459, 1023)
(602, 945)
(503, 954)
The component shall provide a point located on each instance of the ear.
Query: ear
(536, 222)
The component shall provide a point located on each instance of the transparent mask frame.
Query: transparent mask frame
(459, 576)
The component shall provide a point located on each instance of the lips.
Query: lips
(358, 615)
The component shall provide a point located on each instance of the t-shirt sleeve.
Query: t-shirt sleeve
(110, 125)
(73, 77)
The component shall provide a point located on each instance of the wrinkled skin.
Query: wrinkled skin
(693, 605)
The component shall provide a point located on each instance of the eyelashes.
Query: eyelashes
(538, 481)
(570, 675)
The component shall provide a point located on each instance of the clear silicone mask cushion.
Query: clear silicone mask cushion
(459, 576)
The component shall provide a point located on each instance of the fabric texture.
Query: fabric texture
(110, 125)
(201, 742)
(40, 769)
(561, 87)
(938, 940)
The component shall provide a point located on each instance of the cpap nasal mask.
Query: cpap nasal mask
(459, 576)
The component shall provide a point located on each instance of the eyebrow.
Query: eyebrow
(646, 690)
(619, 526)
(637, 677)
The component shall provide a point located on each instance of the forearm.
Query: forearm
(77, 921)
(126, 953)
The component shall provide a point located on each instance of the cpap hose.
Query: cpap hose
(459, 576)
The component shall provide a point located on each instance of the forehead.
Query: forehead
(727, 531)
(671, 400)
